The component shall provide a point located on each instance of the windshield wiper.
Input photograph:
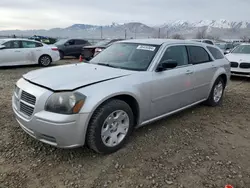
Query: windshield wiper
(107, 65)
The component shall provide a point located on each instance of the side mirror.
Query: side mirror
(167, 64)
(227, 52)
(2, 47)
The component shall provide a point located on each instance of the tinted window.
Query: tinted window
(198, 55)
(12, 44)
(129, 56)
(39, 44)
(215, 52)
(79, 42)
(29, 44)
(177, 53)
(71, 42)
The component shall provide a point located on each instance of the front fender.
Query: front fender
(94, 101)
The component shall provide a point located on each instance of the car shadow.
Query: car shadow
(19, 66)
(238, 78)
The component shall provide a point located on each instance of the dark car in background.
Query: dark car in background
(226, 47)
(43, 39)
(88, 52)
(71, 47)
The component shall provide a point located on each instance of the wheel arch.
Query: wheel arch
(45, 55)
(219, 73)
(129, 98)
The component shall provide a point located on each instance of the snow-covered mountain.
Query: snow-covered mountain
(186, 28)
(222, 24)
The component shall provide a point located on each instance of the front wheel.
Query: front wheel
(216, 94)
(45, 60)
(110, 127)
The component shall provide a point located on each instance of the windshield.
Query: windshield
(2, 41)
(129, 56)
(102, 43)
(242, 49)
(61, 42)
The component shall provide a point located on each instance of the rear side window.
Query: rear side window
(215, 52)
(29, 44)
(198, 55)
(39, 44)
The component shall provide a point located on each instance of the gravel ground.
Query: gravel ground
(200, 147)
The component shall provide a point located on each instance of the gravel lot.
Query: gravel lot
(200, 147)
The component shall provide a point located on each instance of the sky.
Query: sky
(46, 14)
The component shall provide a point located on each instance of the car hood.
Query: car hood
(71, 77)
(238, 57)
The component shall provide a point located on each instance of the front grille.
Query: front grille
(26, 109)
(28, 98)
(234, 64)
(245, 65)
(243, 73)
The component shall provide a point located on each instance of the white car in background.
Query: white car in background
(24, 52)
(239, 59)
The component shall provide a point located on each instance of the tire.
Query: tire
(212, 99)
(45, 60)
(99, 127)
(61, 54)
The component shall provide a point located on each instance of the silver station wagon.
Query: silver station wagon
(128, 85)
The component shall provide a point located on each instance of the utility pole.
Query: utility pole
(101, 32)
(159, 33)
(125, 34)
(167, 34)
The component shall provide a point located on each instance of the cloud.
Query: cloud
(36, 14)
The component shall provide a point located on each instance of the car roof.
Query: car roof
(153, 41)
(165, 41)
(22, 39)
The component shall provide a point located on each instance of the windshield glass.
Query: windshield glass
(60, 42)
(242, 49)
(2, 41)
(129, 56)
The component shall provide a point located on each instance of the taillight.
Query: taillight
(54, 49)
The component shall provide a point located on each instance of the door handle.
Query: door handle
(189, 72)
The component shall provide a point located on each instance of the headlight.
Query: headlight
(65, 102)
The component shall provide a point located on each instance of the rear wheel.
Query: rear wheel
(216, 94)
(110, 127)
(45, 60)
